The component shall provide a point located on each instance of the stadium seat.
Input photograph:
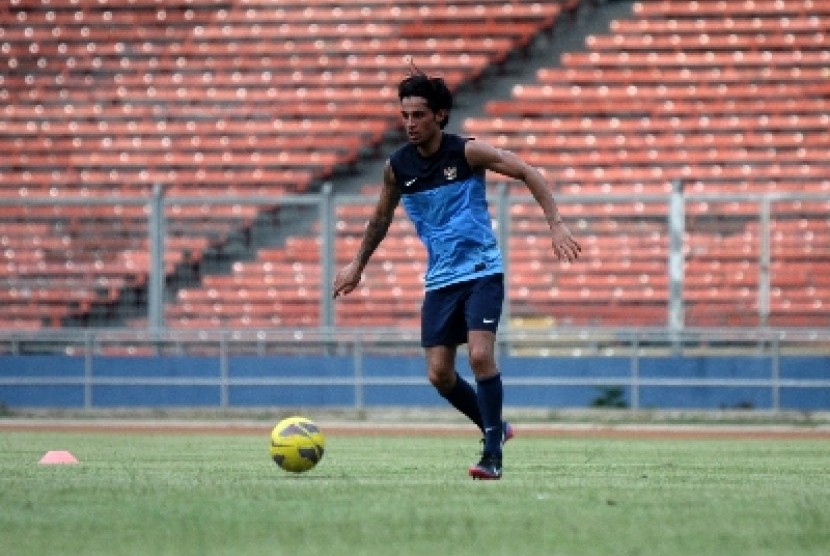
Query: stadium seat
(223, 97)
(260, 99)
(698, 88)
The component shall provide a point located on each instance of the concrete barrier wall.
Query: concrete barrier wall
(43, 381)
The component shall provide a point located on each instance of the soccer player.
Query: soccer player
(439, 177)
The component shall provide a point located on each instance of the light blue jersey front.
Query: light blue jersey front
(446, 201)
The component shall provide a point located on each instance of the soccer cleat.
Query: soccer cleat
(488, 468)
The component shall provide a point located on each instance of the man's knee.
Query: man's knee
(482, 358)
(442, 378)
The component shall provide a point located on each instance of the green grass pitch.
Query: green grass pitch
(142, 494)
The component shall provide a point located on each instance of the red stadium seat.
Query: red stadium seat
(724, 102)
(257, 99)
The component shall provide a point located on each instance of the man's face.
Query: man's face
(421, 123)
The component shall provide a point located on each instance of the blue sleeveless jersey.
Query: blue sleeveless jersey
(446, 201)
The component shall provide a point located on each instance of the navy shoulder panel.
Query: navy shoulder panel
(414, 173)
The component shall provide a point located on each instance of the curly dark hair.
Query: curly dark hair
(433, 89)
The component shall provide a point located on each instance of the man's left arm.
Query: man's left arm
(506, 163)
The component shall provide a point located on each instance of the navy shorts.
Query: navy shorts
(448, 313)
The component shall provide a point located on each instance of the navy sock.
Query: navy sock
(490, 394)
(463, 398)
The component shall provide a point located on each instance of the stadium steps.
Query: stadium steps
(208, 97)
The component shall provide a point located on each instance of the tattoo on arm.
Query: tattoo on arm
(375, 232)
(379, 224)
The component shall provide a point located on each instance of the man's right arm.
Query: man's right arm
(381, 219)
(349, 277)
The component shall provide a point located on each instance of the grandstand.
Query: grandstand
(254, 98)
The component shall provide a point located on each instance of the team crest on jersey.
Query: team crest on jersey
(450, 172)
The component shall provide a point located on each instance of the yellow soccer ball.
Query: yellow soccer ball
(297, 444)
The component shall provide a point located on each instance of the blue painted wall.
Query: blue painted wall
(63, 385)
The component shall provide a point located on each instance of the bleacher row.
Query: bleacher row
(211, 97)
(250, 97)
(729, 97)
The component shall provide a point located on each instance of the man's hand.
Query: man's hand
(347, 279)
(565, 247)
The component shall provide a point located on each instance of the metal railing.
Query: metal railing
(677, 217)
(97, 348)
(323, 207)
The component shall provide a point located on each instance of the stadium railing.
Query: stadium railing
(691, 259)
(761, 369)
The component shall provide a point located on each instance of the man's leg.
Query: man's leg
(490, 398)
(445, 379)
(482, 311)
(489, 389)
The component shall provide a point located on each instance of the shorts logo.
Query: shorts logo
(488, 321)
(450, 172)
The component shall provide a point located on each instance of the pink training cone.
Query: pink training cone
(57, 457)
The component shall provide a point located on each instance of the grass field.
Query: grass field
(409, 495)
